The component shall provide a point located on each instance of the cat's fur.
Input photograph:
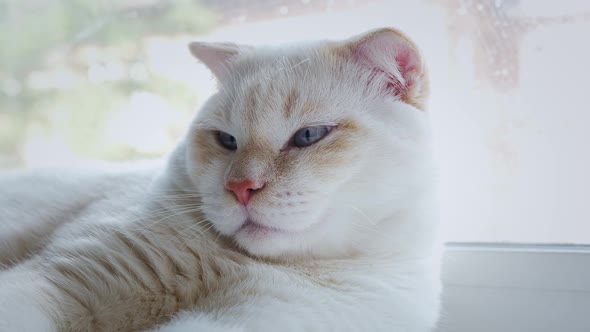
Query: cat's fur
(348, 235)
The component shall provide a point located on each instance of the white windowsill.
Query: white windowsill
(515, 287)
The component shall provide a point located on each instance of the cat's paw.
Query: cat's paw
(21, 307)
(22, 315)
(25, 319)
(193, 322)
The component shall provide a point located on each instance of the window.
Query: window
(508, 102)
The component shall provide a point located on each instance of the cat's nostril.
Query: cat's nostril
(243, 190)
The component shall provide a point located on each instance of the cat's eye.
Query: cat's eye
(307, 136)
(227, 141)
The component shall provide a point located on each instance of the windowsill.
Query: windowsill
(515, 287)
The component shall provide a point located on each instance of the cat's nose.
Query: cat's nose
(244, 189)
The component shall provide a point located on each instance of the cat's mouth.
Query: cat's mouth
(251, 227)
(268, 241)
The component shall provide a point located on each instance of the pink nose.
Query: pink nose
(243, 189)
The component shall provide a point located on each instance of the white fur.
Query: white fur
(361, 255)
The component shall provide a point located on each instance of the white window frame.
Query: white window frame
(500, 287)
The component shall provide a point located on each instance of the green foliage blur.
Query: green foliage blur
(50, 50)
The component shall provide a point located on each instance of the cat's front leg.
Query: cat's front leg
(109, 278)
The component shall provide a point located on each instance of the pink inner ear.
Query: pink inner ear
(406, 61)
(217, 57)
(388, 53)
(214, 59)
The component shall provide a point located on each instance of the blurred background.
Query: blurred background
(109, 80)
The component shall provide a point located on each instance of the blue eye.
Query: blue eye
(227, 141)
(305, 137)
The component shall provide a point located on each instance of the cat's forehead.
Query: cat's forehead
(260, 98)
(265, 111)
(298, 89)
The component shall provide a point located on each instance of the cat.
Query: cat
(300, 199)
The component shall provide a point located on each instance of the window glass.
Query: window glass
(107, 80)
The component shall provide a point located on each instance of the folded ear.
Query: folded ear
(389, 52)
(218, 57)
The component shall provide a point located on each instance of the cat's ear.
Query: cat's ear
(389, 52)
(218, 57)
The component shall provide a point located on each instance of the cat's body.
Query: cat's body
(333, 235)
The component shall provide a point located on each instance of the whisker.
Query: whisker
(167, 216)
(372, 222)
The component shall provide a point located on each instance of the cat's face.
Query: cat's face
(310, 150)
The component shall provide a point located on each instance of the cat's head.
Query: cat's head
(318, 149)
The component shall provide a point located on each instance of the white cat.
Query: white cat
(299, 200)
